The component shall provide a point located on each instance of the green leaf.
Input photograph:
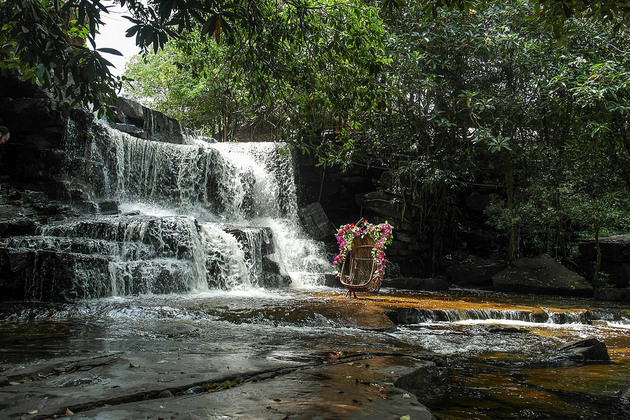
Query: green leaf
(110, 51)
(41, 70)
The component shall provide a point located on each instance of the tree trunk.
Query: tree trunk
(513, 234)
(598, 258)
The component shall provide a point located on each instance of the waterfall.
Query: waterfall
(193, 217)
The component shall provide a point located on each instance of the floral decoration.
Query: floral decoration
(381, 235)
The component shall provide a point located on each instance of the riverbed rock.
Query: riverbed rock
(588, 350)
(154, 385)
(613, 294)
(165, 394)
(272, 277)
(542, 275)
(413, 283)
(405, 316)
(428, 383)
(499, 329)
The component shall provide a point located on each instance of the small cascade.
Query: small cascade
(405, 316)
(265, 187)
(556, 317)
(116, 255)
(226, 259)
(194, 217)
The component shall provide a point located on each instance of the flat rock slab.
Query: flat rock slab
(115, 379)
(113, 387)
(345, 390)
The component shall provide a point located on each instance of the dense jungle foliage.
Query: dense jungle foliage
(485, 95)
(529, 99)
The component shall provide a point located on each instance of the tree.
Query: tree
(488, 96)
(443, 95)
(45, 42)
(39, 37)
(52, 42)
(303, 86)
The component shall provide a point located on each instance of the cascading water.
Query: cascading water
(194, 217)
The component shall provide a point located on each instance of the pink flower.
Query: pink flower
(380, 234)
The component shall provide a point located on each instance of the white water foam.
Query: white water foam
(224, 188)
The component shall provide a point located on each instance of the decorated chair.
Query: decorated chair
(357, 271)
(360, 264)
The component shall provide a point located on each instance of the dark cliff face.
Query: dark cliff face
(42, 183)
(370, 193)
(33, 158)
(62, 240)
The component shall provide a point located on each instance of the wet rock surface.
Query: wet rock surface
(301, 355)
(588, 350)
(344, 390)
(51, 253)
(507, 330)
(171, 373)
(427, 381)
(311, 355)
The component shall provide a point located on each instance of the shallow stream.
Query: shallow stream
(172, 286)
(490, 371)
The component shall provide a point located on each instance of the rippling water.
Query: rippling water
(492, 370)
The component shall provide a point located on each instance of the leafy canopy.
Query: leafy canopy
(301, 85)
(51, 42)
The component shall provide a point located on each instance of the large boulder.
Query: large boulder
(541, 275)
(588, 350)
(140, 121)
